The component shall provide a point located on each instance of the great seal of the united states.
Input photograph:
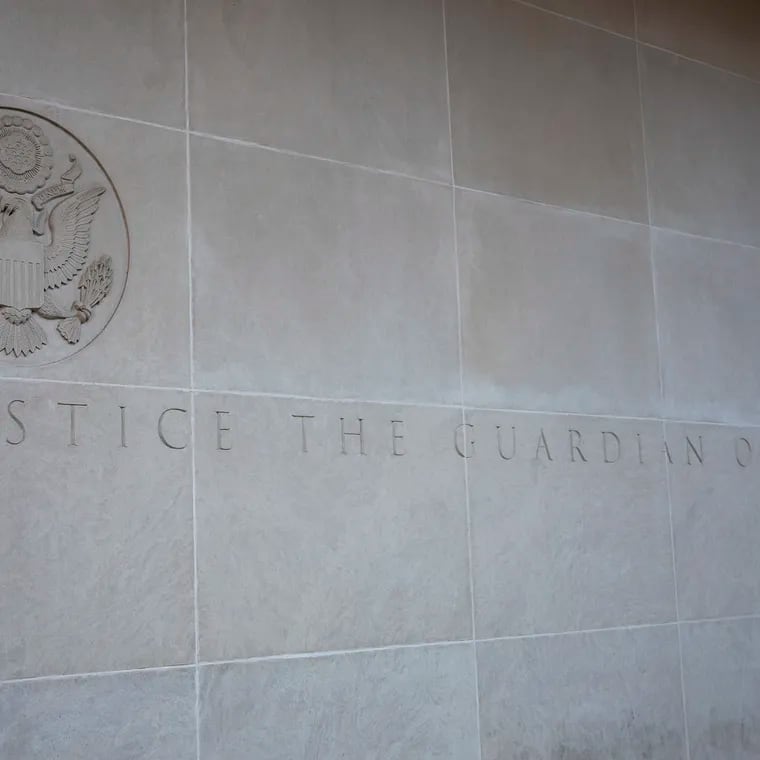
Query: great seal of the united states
(64, 242)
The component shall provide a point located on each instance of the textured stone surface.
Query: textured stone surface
(318, 271)
(96, 562)
(615, 15)
(561, 127)
(357, 80)
(708, 311)
(591, 696)
(390, 705)
(324, 550)
(716, 521)
(702, 132)
(150, 716)
(321, 280)
(111, 56)
(563, 545)
(557, 309)
(722, 34)
(722, 679)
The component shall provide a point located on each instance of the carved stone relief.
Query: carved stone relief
(64, 244)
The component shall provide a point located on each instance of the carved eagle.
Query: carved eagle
(33, 264)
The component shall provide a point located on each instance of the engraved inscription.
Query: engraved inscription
(64, 251)
(354, 437)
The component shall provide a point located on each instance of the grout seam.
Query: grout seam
(379, 649)
(706, 64)
(652, 260)
(391, 172)
(473, 407)
(676, 602)
(652, 267)
(460, 331)
(661, 374)
(324, 159)
(575, 20)
(191, 357)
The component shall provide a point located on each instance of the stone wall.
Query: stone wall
(391, 390)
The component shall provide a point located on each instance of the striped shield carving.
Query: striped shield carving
(22, 274)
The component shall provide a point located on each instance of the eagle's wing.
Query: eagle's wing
(70, 222)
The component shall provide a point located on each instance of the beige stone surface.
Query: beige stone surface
(323, 550)
(708, 312)
(557, 309)
(545, 108)
(96, 539)
(723, 34)
(716, 526)
(147, 714)
(570, 527)
(356, 80)
(614, 15)
(110, 56)
(389, 704)
(702, 132)
(200, 559)
(321, 280)
(722, 680)
(594, 695)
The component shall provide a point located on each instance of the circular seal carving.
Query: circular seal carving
(64, 243)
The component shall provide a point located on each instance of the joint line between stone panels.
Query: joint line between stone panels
(650, 231)
(90, 111)
(580, 21)
(712, 66)
(383, 402)
(544, 204)
(676, 600)
(460, 342)
(191, 355)
(696, 235)
(314, 157)
(368, 650)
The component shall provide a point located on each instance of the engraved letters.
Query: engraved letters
(503, 444)
(743, 451)
(161, 433)
(303, 418)
(396, 436)
(22, 429)
(607, 436)
(72, 420)
(221, 429)
(462, 444)
(344, 435)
